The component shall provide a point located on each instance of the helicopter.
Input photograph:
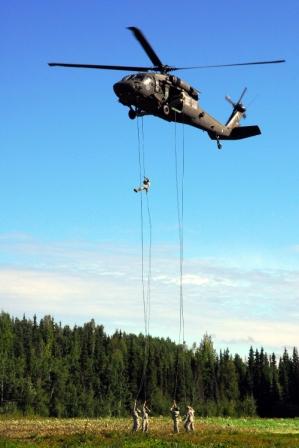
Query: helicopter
(156, 91)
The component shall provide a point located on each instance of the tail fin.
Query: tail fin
(233, 123)
(233, 130)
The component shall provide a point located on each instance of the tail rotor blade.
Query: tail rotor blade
(228, 98)
(242, 94)
(238, 106)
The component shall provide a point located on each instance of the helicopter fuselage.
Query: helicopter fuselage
(153, 90)
(168, 97)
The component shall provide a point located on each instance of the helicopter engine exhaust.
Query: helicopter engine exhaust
(185, 86)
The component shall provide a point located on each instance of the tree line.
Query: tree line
(48, 369)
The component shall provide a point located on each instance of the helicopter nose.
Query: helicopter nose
(122, 88)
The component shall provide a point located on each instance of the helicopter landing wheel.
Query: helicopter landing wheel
(166, 109)
(219, 146)
(132, 114)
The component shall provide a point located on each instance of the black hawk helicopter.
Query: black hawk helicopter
(154, 91)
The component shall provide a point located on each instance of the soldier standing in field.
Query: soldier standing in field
(175, 414)
(189, 420)
(135, 414)
(145, 417)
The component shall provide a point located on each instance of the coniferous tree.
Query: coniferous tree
(228, 384)
(207, 363)
(6, 352)
(294, 382)
(274, 393)
(284, 379)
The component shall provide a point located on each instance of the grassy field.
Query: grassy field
(116, 432)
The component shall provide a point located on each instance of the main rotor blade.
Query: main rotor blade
(147, 47)
(278, 61)
(104, 67)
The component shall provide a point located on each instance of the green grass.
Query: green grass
(116, 433)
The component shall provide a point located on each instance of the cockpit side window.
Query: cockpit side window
(127, 78)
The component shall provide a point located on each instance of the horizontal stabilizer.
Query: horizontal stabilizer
(244, 132)
(237, 133)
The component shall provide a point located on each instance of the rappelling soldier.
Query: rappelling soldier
(189, 419)
(145, 185)
(145, 417)
(135, 415)
(175, 414)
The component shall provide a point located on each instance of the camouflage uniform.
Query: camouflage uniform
(145, 419)
(145, 186)
(135, 415)
(189, 420)
(175, 413)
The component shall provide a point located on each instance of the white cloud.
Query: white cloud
(77, 281)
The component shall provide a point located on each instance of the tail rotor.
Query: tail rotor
(238, 106)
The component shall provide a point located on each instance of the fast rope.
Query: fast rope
(149, 268)
(146, 292)
(180, 219)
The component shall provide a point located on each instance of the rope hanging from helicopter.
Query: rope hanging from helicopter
(146, 284)
(179, 180)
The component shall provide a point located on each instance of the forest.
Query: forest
(47, 369)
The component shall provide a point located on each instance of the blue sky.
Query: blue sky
(69, 223)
